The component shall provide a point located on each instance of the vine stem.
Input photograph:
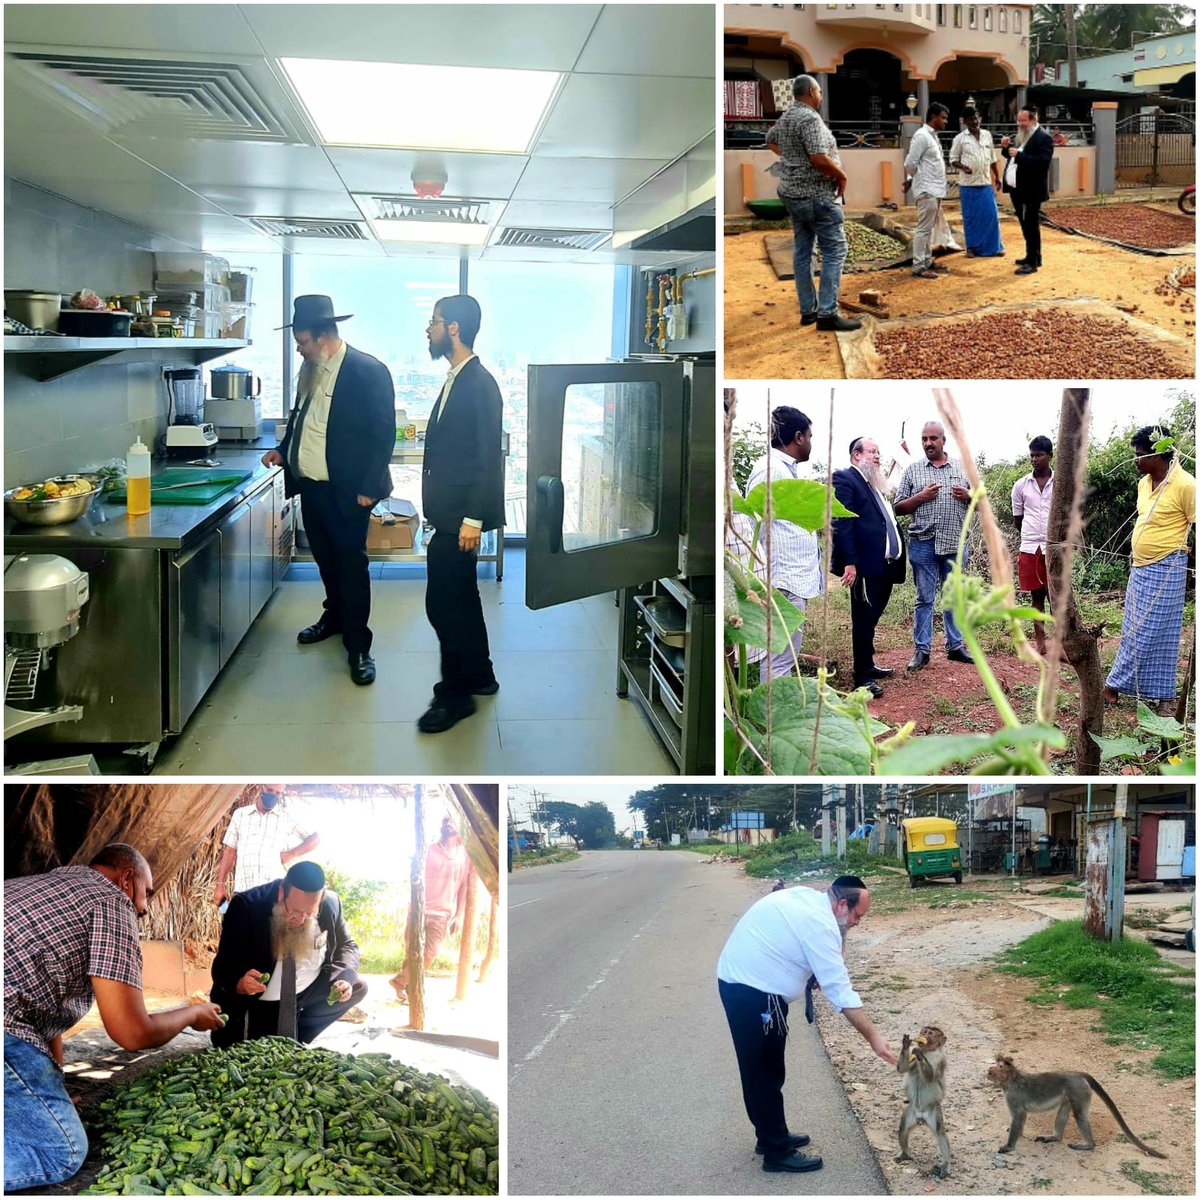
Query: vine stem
(827, 541)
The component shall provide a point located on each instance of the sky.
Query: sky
(1000, 417)
(521, 800)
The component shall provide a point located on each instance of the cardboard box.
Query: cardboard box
(398, 534)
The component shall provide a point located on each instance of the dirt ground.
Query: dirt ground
(921, 966)
(764, 340)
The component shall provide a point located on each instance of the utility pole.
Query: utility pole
(841, 820)
(1104, 890)
(826, 818)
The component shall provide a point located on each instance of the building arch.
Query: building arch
(1013, 75)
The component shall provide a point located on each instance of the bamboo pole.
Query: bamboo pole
(490, 954)
(416, 918)
(466, 950)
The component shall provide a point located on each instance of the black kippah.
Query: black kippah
(307, 876)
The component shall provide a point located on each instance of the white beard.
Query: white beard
(874, 476)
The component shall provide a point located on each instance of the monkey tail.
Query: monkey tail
(1112, 1108)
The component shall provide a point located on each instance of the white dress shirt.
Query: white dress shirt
(795, 553)
(439, 408)
(308, 966)
(976, 153)
(925, 165)
(889, 518)
(781, 941)
(316, 384)
(259, 838)
(1032, 504)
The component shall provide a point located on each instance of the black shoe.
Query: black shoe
(797, 1141)
(486, 689)
(1027, 269)
(960, 655)
(870, 686)
(362, 669)
(793, 1162)
(918, 661)
(837, 324)
(445, 713)
(311, 634)
(882, 672)
(1021, 262)
(808, 318)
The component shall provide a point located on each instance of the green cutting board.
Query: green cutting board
(224, 479)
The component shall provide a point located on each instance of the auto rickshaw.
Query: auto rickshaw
(931, 848)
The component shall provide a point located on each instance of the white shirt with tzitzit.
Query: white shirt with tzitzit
(795, 553)
(1032, 504)
(259, 839)
(976, 153)
(315, 386)
(942, 519)
(925, 164)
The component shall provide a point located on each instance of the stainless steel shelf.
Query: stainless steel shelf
(49, 357)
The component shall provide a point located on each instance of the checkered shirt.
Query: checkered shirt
(60, 929)
(940, 519)
(259, 839)
(799, 134)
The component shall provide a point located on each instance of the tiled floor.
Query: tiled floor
(288, 709)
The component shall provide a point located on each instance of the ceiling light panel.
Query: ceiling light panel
(477, 109)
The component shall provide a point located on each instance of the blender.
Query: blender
(188, 434)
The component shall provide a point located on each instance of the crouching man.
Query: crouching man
(285, 938)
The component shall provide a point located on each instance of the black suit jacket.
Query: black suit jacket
(245, 943)
(1033, 167)
(463, 473)
(860, 541)
(360, 435)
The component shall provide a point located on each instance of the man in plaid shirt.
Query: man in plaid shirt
(935, 493)
(261, 839)
(71, 936)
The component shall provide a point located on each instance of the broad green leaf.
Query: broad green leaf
(1164, 727)
(733, 744)
(1119, 747)
(750, 599)
(1163, 445)
(930, 755)
(739, 504)
(801, 501)
(841, 748)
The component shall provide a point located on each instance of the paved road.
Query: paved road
(622, 1079)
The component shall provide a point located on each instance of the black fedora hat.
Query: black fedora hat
(310, 312)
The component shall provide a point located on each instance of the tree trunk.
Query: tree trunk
(466, 949)
(1064, 531)
(1072, 51)
(1181, 706)
(489, 955)
(416, 918)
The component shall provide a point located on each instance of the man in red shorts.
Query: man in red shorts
(1032, 495)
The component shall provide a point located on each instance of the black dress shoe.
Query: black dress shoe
(808, 318)
(445, 713)
(872, 687)
(794, 1162)
(797, 1141)
(918, 660)
(882, 672)
(837, 324)
(1021, 262)
(960, 655)
(1026, 270)
(318, 632)
(484, 689)
(362, 669)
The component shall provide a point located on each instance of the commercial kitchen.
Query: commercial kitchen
(174, 177)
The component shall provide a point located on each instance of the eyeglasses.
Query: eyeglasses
(435, 321)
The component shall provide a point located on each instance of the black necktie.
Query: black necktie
(893, 543)
(287, 998)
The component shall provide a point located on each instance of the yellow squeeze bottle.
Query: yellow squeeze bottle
(137, 479)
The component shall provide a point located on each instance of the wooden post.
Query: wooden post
(489, 955)
(416, 918)
(467, 947)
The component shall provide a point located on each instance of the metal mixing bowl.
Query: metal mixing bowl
(57, 511)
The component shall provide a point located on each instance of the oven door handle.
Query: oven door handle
(550, 510)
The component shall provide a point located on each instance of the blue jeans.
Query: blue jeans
(44, 1141)
(930, 569)
(822, 222)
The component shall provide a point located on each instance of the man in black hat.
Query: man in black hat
(285, 938)
(462, 493)
(335, 455)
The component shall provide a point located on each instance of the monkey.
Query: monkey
(1069, 1091)
(923, 1064)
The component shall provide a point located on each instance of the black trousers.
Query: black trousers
(260, 1018)
(1029, 214)
(868, 598)
(455, 611)
(759, 1044)
(337, 537)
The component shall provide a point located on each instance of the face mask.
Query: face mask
(269, 800)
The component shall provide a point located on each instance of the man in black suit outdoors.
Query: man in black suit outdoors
(462, 493)
(289, 933)
(1030, 158)
(335, 455)
(868, 552)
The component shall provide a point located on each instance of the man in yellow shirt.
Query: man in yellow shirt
(1148, 656)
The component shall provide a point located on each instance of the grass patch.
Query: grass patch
(1149, 1182)
(543, 858)
(1066, 892)
(386, 957)
(1137, 1000)
(1149, 918)
(800, 853)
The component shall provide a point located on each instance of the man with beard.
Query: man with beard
(785, 946)
(335, 455)
(935, 493)
(1027, 181)
(462, 494)
(868, 553)
(71, 936)
(287, 935)
(260, 839)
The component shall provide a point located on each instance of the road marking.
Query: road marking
(524, 902)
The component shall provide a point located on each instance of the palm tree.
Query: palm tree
(1118, 26)
(1072, 46)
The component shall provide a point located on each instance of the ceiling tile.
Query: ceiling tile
(558, 214)
(284, 202)
(653, 39)
(207, 164)
(132, 27)
(468, 176)
(591, 180)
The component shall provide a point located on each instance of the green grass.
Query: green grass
(1149, 1182)
(377, 957)
(1130, 986)
(542, 858)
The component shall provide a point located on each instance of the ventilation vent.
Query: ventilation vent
(410, 208)
(309, 227)
(553, 239)
(160, 96)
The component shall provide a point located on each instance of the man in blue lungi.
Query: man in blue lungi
(978, 181)
(1148, 655)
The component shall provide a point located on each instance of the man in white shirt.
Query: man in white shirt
(785, 945)
(795, 558)
(1032, 496)
(926, 168)
(262, 838)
